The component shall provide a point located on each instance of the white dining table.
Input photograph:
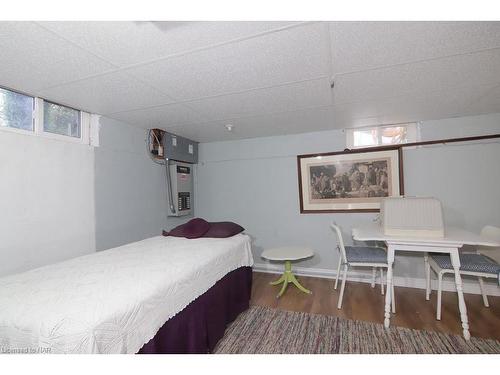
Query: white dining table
(452, 241)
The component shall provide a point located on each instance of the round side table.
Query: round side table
(288, 254)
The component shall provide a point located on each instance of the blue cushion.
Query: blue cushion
(468, 262)
(365, 254)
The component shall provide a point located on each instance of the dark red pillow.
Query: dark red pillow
(178, 231)
(223, 229)
(194, 228)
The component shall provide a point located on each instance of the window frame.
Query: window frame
(33, 115)
(84, 124)
(37, 116)
(412, 127)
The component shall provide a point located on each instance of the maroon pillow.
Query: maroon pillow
(194, 228)
(223, 229)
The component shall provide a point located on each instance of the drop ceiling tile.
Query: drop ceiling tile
(105, 94)
(412, 107)
(290, 55)
(211, 132)
(364, 45)
(32, 58)
(300, 121)
(159, 117)
(314, 93)
(285, 72)
(306, 120)
(457, 72)
(434, 105)
(487, 102)
(358, 110)
(125, 43)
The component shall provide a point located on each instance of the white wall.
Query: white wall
(130, 189)
(254, 182)
(59, 200)
(46, 201)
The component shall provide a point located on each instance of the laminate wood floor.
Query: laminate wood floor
(361, 302)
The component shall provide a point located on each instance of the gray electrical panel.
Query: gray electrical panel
(181, 176)
(180, 148)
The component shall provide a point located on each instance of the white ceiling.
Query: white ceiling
(265, 78)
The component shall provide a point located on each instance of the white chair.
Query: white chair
(479, 264)
(360, 256)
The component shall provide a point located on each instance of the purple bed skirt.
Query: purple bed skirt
(199, 327)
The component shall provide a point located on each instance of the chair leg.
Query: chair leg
(381, 281)
(483, 293)
(374, 275)
(440, 291)
(427, 277)
(338, 273)
(342, 288)
(393, 298)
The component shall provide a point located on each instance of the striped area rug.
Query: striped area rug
(272, 331)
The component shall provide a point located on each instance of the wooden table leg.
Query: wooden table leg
(455, 261)
(388, 295)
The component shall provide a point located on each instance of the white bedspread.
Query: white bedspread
(113, 301)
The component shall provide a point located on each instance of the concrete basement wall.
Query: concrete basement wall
(254, 182)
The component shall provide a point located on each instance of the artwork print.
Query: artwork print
(348, 181)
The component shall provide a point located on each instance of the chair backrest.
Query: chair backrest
(491, 233)
(340, 241)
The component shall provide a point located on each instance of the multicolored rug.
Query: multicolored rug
(272, 331)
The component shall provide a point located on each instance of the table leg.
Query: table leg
(295, 282)
(279, 281)
(288, 277)
(283, 288)
(455, 261)
(388, 295)
(427, 277)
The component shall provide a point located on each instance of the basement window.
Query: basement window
(62, 120)
(16, 110)
(382, 135)
(30, 115)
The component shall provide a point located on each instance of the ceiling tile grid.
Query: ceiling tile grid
(163, 116)
(366, 45)
(266, 78)
(128, 43)
(419, 77)
(283, 98)
(108, 93)
(266, 125)
(287, 56)
(32, 58)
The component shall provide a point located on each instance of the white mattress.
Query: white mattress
(113, 301)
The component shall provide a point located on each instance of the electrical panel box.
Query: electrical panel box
(179, 148)
(181, 177)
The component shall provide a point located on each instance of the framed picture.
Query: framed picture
(349, 181)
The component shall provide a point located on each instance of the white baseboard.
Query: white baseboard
(492, 288)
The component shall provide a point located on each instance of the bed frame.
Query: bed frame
(199, 327)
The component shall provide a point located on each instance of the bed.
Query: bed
(159, 295)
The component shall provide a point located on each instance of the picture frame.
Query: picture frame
(350, 180)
